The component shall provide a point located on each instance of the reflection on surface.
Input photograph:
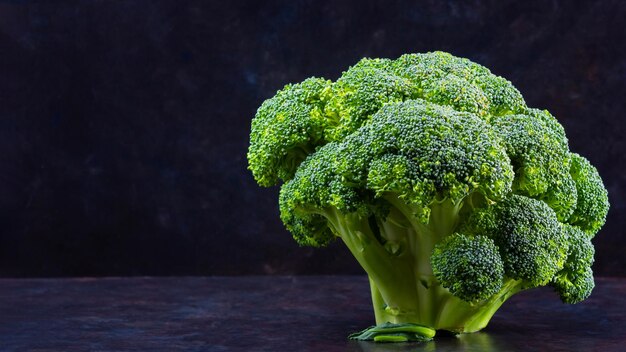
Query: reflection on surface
(368, 346)
(479, 341)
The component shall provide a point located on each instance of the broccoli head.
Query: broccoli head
(450, 192)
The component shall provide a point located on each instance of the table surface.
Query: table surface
(310, 313)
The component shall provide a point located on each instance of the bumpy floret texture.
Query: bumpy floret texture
(532, 243)
(434, 168)
(286, 129)
(539, 153)
(574, 282)
(416, 150)
(592, 198)
(469, 266)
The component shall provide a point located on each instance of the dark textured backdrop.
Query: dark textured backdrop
(124, 124)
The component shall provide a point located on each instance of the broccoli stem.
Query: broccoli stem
(441, 310)
(393, 272)
(403, 287)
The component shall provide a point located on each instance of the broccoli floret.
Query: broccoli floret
(530, 238)
(538, 148)
(412, 154)
(470, 267)
(449, 191)
(360, 92)
(593, 201)
(575, 282)
(286, 129)
(458, 82)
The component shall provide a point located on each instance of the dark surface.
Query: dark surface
(308, 313)
(124, 124)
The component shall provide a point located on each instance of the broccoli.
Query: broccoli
(451, 193)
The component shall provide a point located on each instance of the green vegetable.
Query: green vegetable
(449, 191)
(388, 332)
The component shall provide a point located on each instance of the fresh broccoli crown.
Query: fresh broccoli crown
(469, 266)
(575, 287)
(307, 229)
(423, 151)
(460, 83)
(300, 117)
(360, 92)
(450, 192)
(593, 200)
(574, 282)
(538, 149)
(316, 188)
(580, 250)
(532, 242)
(286, 129)
(417, 150)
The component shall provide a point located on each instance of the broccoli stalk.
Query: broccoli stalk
(449, 191)
(443, 311)
(395, 252)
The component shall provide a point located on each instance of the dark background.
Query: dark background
(124, 124)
